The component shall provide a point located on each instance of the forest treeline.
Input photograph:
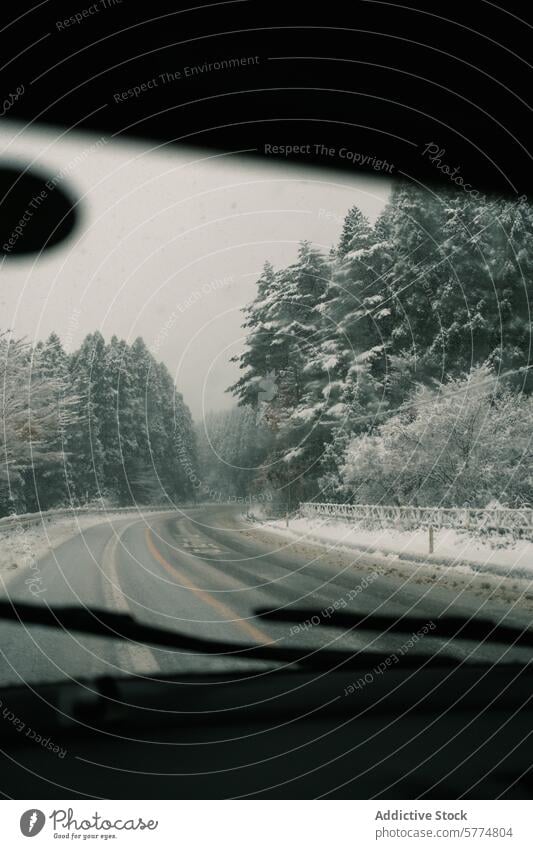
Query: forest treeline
(104, 422)
(401, 360)
(396, 369)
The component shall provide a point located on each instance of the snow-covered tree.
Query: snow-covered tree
(440, 285)
(233, 445)
(465, 441)
(90, 379)
(36, 405)
(106, 421)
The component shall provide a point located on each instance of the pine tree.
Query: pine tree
(88, 369)
(33, 411)
(49, 483)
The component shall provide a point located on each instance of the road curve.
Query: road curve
(205, 572)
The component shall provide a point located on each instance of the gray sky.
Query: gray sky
(171, 243)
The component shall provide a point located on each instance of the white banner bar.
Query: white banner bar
(267, 824)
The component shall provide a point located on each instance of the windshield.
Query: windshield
(255, 419)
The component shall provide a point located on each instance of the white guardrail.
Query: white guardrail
(26, 520)
(501, 520)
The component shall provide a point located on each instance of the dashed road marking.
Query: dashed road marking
(230, 616)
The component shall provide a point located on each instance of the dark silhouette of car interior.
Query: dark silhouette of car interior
(429, 728)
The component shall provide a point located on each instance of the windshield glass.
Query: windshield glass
(257, 418)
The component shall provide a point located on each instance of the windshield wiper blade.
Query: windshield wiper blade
(477, 629)
(99, 622)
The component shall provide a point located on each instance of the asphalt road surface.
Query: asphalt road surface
(206, 572)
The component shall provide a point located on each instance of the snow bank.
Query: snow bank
(505, 556)
(23, 546)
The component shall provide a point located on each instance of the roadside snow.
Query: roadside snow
(504, 557)
(21, 548)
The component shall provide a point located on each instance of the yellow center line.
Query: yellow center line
(255, 633)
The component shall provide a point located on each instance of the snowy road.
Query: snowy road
(206, 573)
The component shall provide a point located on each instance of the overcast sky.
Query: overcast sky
(171, 243)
